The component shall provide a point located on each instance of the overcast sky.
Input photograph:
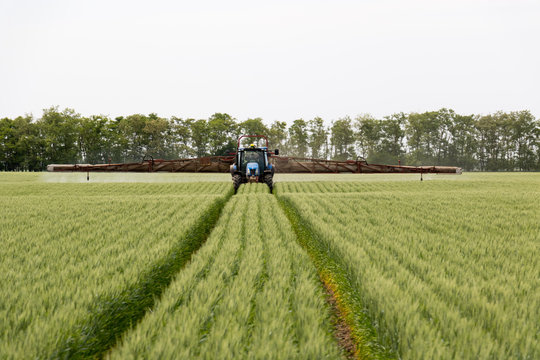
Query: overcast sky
(279, 60)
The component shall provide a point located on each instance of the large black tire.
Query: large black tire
(269, 180)
(237, 180)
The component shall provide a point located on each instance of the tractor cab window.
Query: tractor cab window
(251, 156)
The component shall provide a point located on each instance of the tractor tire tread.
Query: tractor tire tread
(237, 181)
(269, 180)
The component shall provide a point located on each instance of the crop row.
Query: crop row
(114, 190)
(80, 263)
(249, 292)
(438, 276)
(409, 183)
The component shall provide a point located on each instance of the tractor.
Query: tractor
(252, 164)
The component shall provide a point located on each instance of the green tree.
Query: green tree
(60, 130)
(181, 133)
(30, 145)
(342, 138)
(254, 127)
(158, 134)
(277, 136)
(116, 141)
(490, 148)
(7, 144)
(368, 136)
(131, 128)
(428, 136)
(145, 135)
(92, 136)
(317, 135)
(525, 139)
(463, 145)
(222, 130)
(199, 137)
(298, 138)
(390, 148)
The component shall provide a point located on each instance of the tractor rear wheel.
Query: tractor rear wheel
(269, 180)
(237, 180)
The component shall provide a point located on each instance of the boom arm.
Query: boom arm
(281, 164)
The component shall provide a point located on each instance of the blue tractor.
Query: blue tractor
(252, 164)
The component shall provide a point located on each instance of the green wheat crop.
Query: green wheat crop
(444, 269)
(250, 292)
(68, 250)
(447, 268)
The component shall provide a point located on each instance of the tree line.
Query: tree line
(503, 141)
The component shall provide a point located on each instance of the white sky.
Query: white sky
(280, 60)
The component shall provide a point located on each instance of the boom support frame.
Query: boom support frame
(282, 164)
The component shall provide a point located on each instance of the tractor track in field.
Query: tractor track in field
(342, 331)
(342, 327)
(353, 331)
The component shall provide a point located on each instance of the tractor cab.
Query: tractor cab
(251, 164)
(252, 160)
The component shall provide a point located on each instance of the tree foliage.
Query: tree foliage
(503, 141)
(342, 137)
